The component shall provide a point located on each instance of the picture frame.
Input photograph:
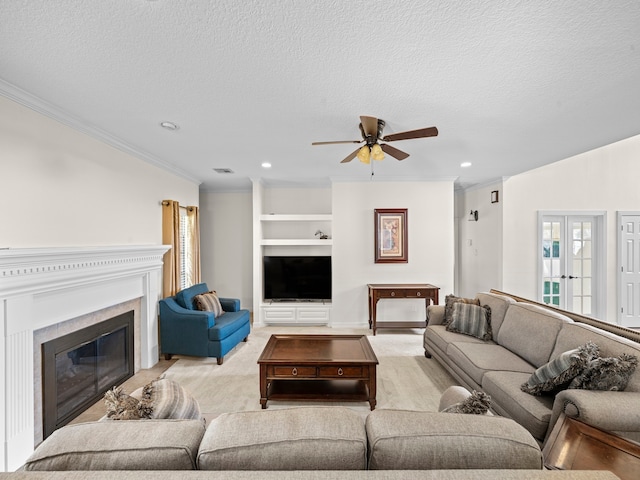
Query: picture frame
(391, 240)
(494, 196)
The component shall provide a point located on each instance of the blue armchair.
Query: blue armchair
(187, 331)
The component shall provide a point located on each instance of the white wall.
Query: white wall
(479, 253)
(431, 246)
(226, 224)
(604, 179)
(59, 187)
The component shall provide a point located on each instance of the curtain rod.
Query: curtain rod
(164, 202)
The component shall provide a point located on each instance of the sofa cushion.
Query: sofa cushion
(450, 301)
(530, 332)
(302, 438)
(610, 345)
(471, 320)
(185, 297)
(561, 370)
(208, 302)
(228, 324)
(533, 412)
(135, 445)
(412, 440)
(477, 359)
(164, 398)
(441, 337)
(498, 305)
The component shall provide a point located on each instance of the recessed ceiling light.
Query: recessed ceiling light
(266, 165)
(465, 164)
(169, 125)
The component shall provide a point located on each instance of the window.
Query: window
(186, 273)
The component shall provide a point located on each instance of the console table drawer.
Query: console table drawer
(416, 294)
(341, 372)
(293, 371)
(391, 293)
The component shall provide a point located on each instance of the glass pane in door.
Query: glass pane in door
(580, 279)
(551, 262)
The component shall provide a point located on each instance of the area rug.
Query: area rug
(406, 379)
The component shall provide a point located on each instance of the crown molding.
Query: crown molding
(54, 112)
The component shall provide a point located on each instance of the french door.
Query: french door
(571, 262)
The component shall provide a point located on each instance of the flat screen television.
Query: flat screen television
(296, 278)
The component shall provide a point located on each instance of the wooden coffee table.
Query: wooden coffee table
(318, 367)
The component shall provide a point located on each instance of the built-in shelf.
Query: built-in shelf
(274, 217)
(279, 231)
(296, 241)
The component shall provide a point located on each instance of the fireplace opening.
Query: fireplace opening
(80, 367)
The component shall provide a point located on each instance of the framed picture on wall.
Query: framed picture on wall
(391, 241)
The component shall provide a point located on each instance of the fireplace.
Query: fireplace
(78, 368)
(47, 293)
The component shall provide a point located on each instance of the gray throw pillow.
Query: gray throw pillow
(449, 302)
(610, 373)
(557, 373)
(477, 403)
(471, 320)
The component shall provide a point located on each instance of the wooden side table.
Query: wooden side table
(574, 445)
(399, 290)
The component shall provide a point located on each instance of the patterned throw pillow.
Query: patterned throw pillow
(610, 373)
(121, 406)
(208, 302)
(477, 403)
(557, 373)
(471, 320)
(164, 398)
(450, 301)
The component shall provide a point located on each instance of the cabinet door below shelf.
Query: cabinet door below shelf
(291, 314)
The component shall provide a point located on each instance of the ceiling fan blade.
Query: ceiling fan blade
(370, 126)
(336, 142)
(351, 156)
(420, 133)
(393, 151)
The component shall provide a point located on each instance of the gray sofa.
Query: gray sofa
(525, 337)
(304, 443)
(302, 438)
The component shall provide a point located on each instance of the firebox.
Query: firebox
(78, 368)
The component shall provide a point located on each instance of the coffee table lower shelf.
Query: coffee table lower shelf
(324, 390)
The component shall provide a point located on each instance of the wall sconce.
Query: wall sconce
(473, 216)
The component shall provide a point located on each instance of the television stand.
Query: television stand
(298, 300)
(296, 312)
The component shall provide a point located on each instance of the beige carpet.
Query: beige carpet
(406, 379)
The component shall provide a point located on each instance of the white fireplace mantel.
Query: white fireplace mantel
(41, 287)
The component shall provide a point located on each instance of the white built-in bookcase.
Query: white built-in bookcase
(285, 222)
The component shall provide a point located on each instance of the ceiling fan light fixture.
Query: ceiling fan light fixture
(376, 152)
(364, 154)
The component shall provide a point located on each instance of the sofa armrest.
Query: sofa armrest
(611, 411)
(435, 314)
(230, 304)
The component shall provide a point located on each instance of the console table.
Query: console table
(399, 290)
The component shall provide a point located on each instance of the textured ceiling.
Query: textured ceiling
(511, 85)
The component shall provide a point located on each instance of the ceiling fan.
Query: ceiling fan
(371, 130)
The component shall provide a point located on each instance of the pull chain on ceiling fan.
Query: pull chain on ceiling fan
(371, 129)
